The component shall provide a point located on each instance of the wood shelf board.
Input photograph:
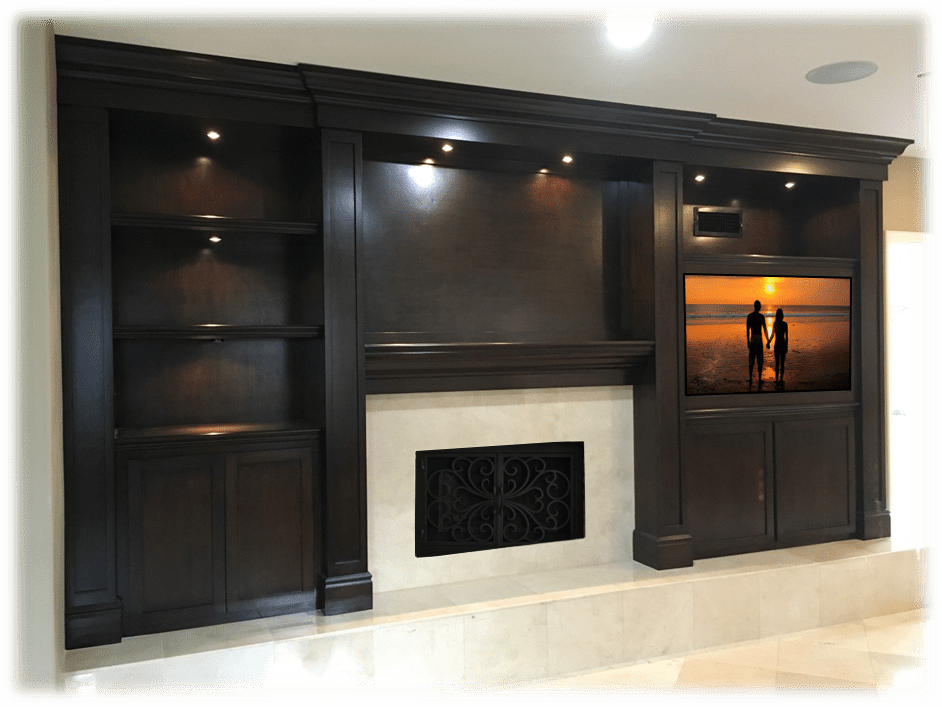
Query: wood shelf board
(214, 223)
(210, 432)
(217, 331)
(417, 360)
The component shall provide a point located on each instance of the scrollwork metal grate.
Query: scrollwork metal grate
(489, 497)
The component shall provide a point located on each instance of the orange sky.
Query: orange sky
(735, 289)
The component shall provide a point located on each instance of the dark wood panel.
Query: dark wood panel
(87, 413)
(343, 583)
(228, 433)
(348, 99)
(472, 251)
(214, 332)
(772, 413)
(180, 277)
(84, 629)
(638, 283)
(176, 539)
(215, 224)
(753, 264)
(814, 478)
(728, 490)
(660, 539)
(270, 509)
(114, 75)
(167, 165)
(165, 382)
(873, 516)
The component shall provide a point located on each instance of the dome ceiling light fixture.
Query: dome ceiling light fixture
(842, 72)
(627, 30)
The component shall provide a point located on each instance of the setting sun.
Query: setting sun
(780, 291)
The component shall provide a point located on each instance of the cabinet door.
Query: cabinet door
(176, 542)
(727, 500)
(814, 479)
(270, 531)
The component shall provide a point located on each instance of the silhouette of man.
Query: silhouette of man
(755, 328)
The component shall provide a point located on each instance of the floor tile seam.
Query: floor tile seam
(817, 676)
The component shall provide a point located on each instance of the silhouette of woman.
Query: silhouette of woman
(780, 336)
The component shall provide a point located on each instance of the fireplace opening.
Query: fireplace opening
(481, 498)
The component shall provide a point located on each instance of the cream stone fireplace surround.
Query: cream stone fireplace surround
(400, 425)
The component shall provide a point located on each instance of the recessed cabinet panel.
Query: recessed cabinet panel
(176, 545)
(814, 462)
(472, 254)
(269, 528)
(166, 164)
(166, 382)
(175, 277)
(814, 216)
(728, 478)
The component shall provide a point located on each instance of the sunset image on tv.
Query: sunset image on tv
(766, 334)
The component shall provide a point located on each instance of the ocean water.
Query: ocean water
(718, 358)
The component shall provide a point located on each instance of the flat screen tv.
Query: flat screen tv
(738, 342)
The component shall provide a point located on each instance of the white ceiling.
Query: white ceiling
(747, 69)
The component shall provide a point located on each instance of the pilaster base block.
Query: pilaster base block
(96, 625)
(662, 552)
(345, 593)
(873, 524)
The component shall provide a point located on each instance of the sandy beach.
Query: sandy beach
(818, 356)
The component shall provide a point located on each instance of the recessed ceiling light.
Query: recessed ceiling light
(842, 72)
(212, 135)
(567, 159)
(699, 178)
(215, 239)
(789, 185)
(447, 148)
(429, 161)
(626, 30)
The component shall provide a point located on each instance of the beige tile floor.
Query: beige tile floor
(553, 623)
(877, 656)
(874, 655)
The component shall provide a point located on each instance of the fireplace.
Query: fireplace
(484, 498)
(399, 425)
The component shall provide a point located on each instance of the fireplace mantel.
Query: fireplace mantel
(434, 367)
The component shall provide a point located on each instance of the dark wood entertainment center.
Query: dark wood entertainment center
(228, 303)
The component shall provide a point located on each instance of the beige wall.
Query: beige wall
(904, 195)
(39, 576)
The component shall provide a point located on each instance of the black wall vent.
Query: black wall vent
(488, 497)
(725, 223)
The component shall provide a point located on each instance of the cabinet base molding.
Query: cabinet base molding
(662, 552)
(344, 594)
(95, 625)
(873, 524)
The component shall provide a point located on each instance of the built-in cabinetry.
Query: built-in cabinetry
(216, 535)
(248, 249)
(757, 479)
(193, 314)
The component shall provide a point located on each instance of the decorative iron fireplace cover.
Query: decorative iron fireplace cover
(487, 497)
